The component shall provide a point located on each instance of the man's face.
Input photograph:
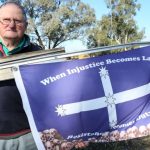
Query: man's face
(12, 23)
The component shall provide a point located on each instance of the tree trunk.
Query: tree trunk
(39, 38)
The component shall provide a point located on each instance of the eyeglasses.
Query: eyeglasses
(7, 21)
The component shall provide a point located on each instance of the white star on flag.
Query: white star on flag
(103, 72)
(110, 100)
(60, 110)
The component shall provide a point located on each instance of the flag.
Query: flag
(98, 99)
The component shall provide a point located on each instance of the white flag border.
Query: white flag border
(27, 108)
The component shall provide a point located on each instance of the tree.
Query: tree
(117, 27)
(57, 21)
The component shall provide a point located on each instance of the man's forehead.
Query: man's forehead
(8, 6)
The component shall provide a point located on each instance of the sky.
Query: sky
(142, 19)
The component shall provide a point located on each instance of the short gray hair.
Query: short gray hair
(18, 5)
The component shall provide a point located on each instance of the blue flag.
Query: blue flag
(102, 99)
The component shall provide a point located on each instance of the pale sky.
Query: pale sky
(99, 6)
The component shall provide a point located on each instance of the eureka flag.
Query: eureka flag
(105, 98)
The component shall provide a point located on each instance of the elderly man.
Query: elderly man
(15, 132)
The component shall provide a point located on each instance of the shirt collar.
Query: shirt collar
(23, 43)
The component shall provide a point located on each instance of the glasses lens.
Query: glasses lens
(18, 22)
(7, 21)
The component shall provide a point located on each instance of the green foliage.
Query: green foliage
(117, 27)
(57, 21)
(3, 1)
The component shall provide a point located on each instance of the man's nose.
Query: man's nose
(12, 23)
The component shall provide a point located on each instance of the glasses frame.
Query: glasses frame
(8, 21)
